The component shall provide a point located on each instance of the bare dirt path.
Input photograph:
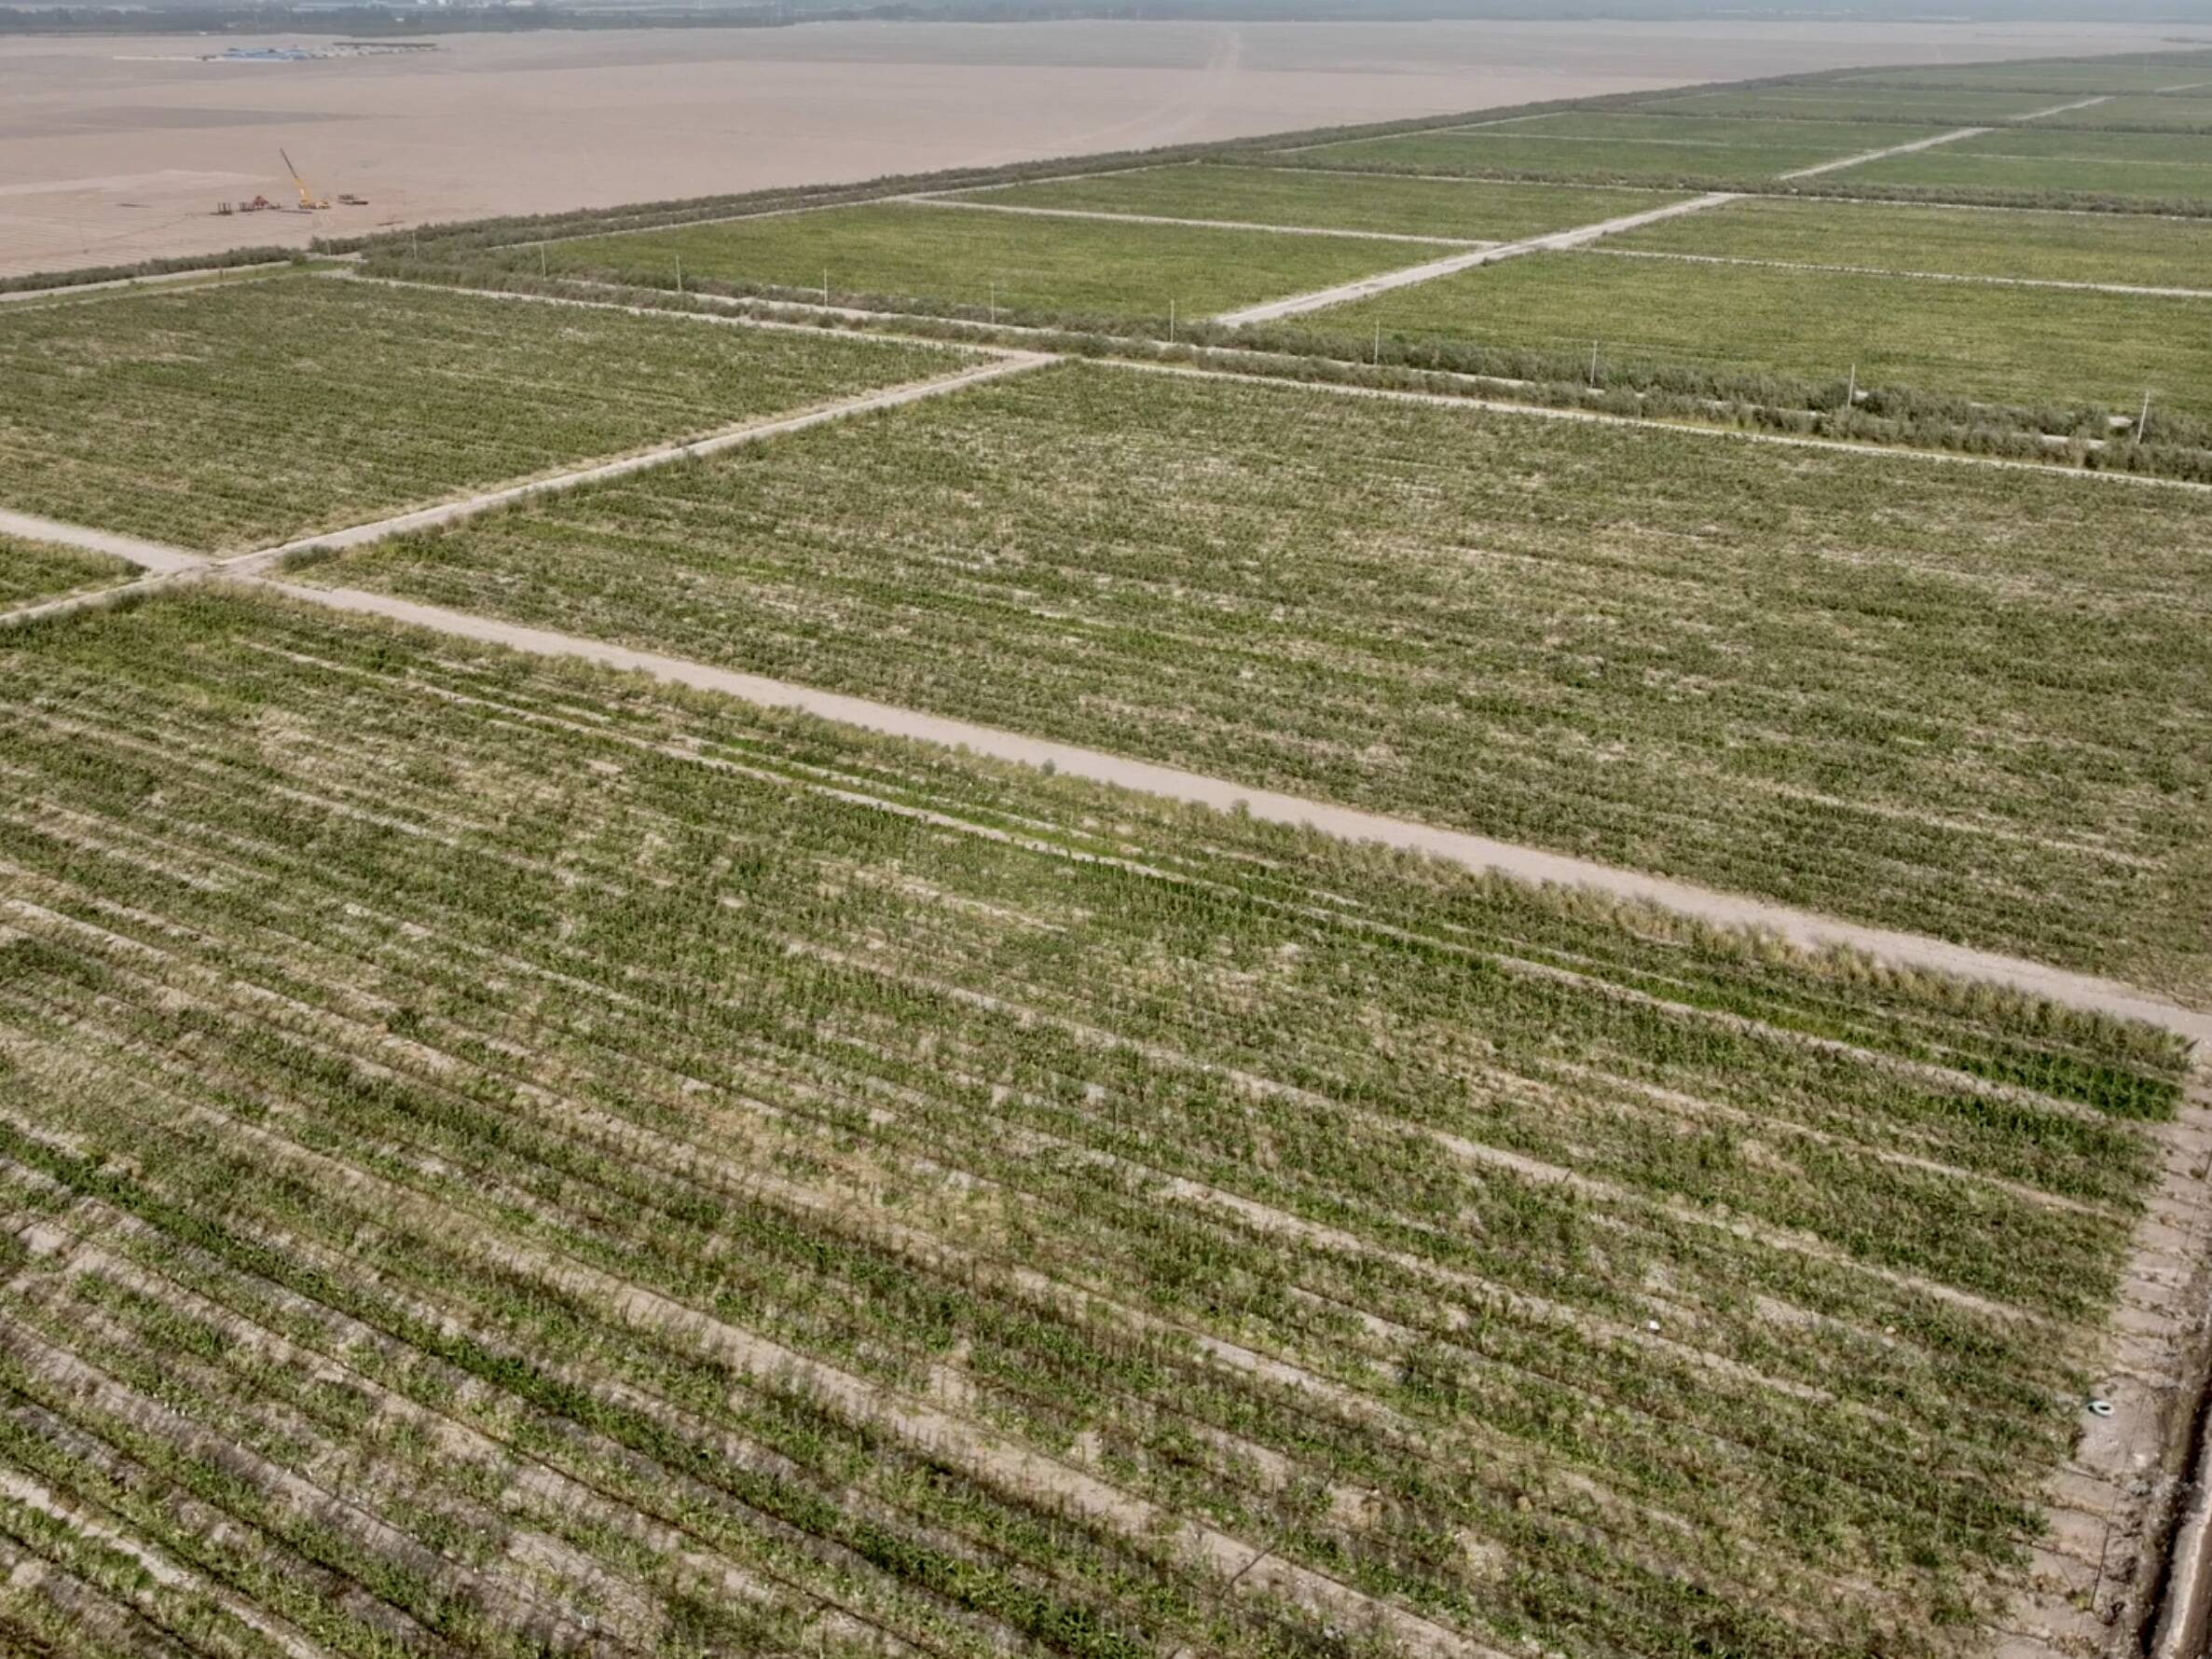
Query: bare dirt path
(1904, 149)
(1918, 276)
(1551, 241)
(1044, 212)
(1474, 851)
(147, 555)
(2060, 109)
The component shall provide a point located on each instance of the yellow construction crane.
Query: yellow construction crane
(307, 201)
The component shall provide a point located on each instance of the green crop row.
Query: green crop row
(505, 1153)
(40, 570)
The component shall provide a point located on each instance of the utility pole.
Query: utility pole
(1852, 391)
(1593, 362)
(2143, 420)
(1171, 321)
(679, 273)
(541, 259)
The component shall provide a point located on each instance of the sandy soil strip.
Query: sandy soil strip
(1550, 242)
(1918, 276)
(1474, 851)
(146, 556)
(1044, 212)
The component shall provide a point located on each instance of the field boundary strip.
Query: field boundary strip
(870, 319)
(1806, 928)
(1698, 428)
(2060, 109)
(1983, 278)
(1376, 138)
(967, 204)
(61, 291)
(1551, 241)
